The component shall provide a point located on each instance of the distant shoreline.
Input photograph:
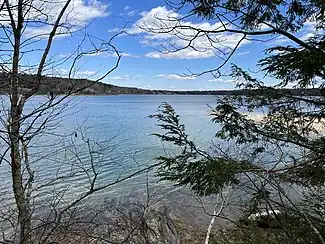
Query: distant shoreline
(268, 91)
(293, 92)
(62, 86)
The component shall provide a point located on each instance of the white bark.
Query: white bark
(215, 215)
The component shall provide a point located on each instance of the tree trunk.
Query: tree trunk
(14, 134)
(16, 162)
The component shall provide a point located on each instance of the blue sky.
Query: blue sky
(142, 65)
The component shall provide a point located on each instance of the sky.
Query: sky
(143, 65)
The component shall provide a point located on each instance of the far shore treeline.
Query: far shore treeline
(60, 86)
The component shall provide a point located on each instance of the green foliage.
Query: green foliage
(287, 15)
(295, 65)
(236, 125)
(175, 132)
(283, 133)
(206, 175)
(301, 63)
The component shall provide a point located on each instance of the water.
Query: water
(126, 117)
(120, 138)
(113, 135)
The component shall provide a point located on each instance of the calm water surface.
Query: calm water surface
(126, 118)
(120, 138)
(121, 126)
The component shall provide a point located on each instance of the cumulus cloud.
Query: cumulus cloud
(161, 25)
(175, 77)
(157, 18)
(77, 15)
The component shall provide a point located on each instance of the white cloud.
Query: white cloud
(157, 18)
(220, 80)
(62, 71)
(182, 54)
(154, 55)
(77, 15)
(78, 73)
(175, 77)
(311, 25)
(306, 36)
(264, 26)
(129, 55)
(86, 72)
(94, 54)
(106, 54)
(131, 13)
(243, 53)
(119, 78)
(124, 55)
(126, 77)
(161, 26)
(114, 30)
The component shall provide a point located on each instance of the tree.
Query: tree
(282, 146)
(29, 30)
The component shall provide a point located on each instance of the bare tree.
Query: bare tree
(23, 125)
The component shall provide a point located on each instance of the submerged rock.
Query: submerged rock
(160, 227)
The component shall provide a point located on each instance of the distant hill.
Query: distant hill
(64, 85)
